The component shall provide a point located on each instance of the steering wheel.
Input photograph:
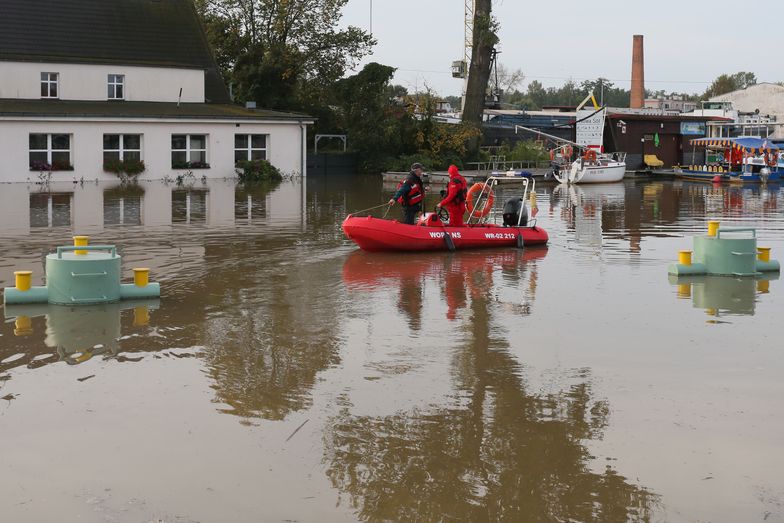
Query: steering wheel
(443, 214)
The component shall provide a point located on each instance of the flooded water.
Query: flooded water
(286, 376)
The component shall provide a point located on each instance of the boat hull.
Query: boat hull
(594, 174)
(375, 234)
(707, 176)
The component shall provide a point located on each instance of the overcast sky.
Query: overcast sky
(688, 43)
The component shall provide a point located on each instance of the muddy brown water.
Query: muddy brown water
(286, 376)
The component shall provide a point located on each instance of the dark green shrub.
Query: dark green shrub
(257, 170)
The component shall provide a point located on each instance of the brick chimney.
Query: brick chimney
(638, 75)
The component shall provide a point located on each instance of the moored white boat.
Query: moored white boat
(601, 168)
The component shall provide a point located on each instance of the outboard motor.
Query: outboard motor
(513, 209)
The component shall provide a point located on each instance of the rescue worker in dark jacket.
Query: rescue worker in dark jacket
(410, 194)
(455, 200)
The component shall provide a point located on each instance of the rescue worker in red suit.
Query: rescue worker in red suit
(410, 194)
(455, 200)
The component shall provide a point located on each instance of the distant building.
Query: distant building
(672, 104)
(84, 83)
(758, 105)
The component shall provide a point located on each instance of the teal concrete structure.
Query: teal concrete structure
(732, 252)
(719, 294)
(79, 333)
(82, 279)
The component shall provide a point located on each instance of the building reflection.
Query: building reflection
(501, 450)
(89, 207)
(723, 295)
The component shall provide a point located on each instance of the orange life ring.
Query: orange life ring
(590, 155)
(568, 152)
(473, 193)
(552, 154)
(772, 158)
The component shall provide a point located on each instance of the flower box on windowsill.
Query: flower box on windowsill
(56, 166)
(190, 165)
(128, 167)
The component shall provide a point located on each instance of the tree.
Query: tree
(484, 39)
(365, 106)
(282, 54)
(508, 80)
(728, 83)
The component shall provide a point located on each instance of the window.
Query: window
(50, 152)
(115, 89)
(189, 151)
(122, 147)
(250, 147)
(49, 85)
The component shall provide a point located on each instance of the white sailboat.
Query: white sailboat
(592, 164)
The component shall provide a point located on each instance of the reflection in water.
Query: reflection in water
(719, 295)
(469, 385)
(122, 205)
(189, 206)
(50, 209)
(500, 452)
(76, 333)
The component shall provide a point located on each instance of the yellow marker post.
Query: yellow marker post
(763, 286)
(713, 228)
(763, 254)
(24, 280)
(141, 277)
(81, 241)
(684, 290)
(684, 257)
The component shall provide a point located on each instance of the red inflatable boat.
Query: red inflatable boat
(430, 234)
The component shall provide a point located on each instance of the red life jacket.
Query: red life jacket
(414, 196)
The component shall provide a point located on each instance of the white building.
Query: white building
(672, 104)
(759, 106)
(87, 86)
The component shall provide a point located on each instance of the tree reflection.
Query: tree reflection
(501, 452)
(270, 328)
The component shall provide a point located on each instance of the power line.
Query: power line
(546, 77)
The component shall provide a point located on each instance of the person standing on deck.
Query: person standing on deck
(410, 194)
(455, 200)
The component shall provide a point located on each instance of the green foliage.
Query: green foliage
(727, 83)
(257, 171)
(124, 167)
(283, 55)
(524, 151)
(569, 94)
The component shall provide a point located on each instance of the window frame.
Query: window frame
(113, 84)
(50, 150)
(122, 149)
(48, 82)
(189, 150)
(249, 148)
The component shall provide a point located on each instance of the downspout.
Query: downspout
(304, 152)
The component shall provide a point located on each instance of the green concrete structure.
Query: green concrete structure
(731, 252)
(82, 275)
